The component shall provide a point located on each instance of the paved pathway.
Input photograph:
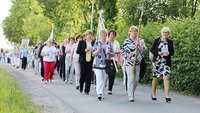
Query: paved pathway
(63, 98)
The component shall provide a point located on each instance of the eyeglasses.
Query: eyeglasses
(165, 32)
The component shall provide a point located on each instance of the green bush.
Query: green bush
(185, 33)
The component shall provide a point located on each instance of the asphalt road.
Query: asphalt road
(58, 97)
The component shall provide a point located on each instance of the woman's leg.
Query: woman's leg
(99, 81)
(46, 71)
(71, 74)
(22, 61)
(61, 67)
(18, 62)
(130, 73)
(36, 66)
(124, 76)
(111, 79)
(153, 88)
(77, 71)
(166, 85)
(105, 76)
(66, 77)
(136, 77)
(51, 70)
(25, 62)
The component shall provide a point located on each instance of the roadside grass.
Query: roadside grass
(12, 99)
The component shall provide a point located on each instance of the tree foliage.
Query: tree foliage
(185, 75)
(66, 15)
(26, 21)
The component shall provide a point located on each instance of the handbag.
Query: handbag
(110, 67)
(143, 67)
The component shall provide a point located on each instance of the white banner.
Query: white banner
(100, 25)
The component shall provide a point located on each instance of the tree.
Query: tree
(26, 17)
(110, 11)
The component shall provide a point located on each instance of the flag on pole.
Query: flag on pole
(24, 42)
(101, 25)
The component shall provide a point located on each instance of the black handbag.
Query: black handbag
(110, 67)
(143, 67)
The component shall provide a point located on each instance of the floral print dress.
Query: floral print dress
(160, 67)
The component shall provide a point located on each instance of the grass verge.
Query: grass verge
(12, 99)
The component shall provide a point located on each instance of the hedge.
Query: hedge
(185, 33)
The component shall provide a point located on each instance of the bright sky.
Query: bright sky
(5, 5)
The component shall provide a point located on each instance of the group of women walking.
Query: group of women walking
(81, 59)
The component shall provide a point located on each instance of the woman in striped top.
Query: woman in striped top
(129, 53)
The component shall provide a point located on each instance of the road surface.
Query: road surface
(58, 97)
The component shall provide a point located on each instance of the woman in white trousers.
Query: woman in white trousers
(102, 49)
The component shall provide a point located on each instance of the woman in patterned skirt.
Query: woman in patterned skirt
(162, 50)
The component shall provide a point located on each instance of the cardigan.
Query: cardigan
(81, 51)
(155, 50)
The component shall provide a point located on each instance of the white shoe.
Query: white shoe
(131, 99)
(110, 92)
(45, 82)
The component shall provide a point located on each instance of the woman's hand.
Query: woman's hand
(133, 59)
(129, 55)
(70, 64)
(166, 53)
(46, 54)
(86, 50)
(160, 53)
(56, 54)
(97, 51)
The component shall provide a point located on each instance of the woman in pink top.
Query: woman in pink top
(74, 60)
(69, 69)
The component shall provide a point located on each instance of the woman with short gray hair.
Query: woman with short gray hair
(102, 51)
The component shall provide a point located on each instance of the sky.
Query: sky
(5, 5)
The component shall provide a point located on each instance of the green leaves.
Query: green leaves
(26, 20)
(37, 26)
(185, 75)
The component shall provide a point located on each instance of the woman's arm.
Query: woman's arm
(126, 53)
(81, 47)
(154, 50)
(43, 54)
(142, 45)
(111, 53)
(96, 49)
(171, 48)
